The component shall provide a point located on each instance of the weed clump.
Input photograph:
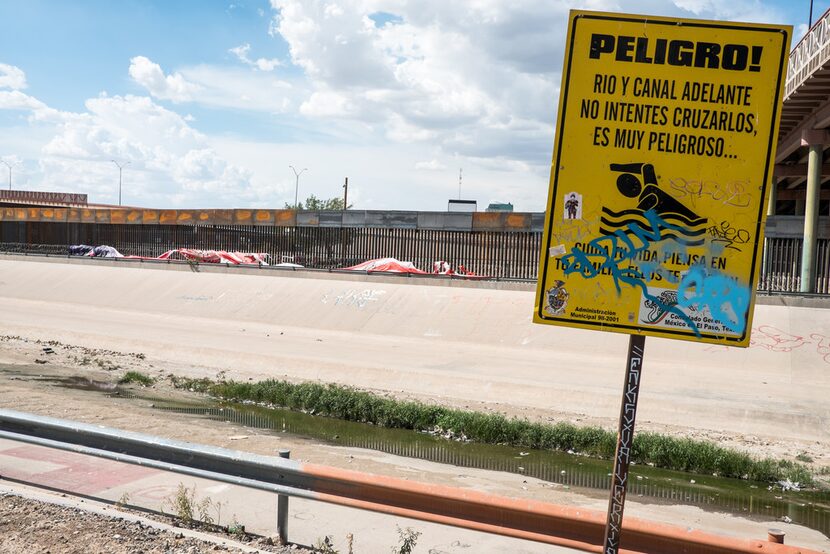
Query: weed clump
(136, 377)
(187, 510)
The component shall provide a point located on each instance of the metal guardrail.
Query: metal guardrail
(810, 54)
(523, 519)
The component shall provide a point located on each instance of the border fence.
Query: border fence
(501, 245)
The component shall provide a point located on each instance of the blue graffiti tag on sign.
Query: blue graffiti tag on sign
(627, 257)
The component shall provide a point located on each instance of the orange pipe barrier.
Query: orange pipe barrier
(565, 526)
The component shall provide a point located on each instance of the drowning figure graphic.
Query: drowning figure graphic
(651, 197)
(639, 181)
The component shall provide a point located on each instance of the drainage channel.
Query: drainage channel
(741, 498)
(811, 509)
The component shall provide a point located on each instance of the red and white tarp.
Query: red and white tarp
(214, 256)
(188, 254)
(388, 265)
(211, 256)
(391, 265)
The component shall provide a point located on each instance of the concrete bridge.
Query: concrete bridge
(800, 186)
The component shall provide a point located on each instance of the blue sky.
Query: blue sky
(211, 101)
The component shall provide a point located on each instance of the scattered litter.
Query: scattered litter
(237, 437)
(786, 519)
(524, 453)
(787, 485)
(692, 481)
(39, 361)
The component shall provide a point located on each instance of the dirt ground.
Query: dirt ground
(28, 525)
(31, 366)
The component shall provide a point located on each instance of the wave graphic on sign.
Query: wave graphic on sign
(683, 230)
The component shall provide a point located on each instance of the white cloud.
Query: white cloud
(431, 165)
(475, 79)
(218, 86)
(241, 89)
(16, 100)
(331, 44)
(731, 10)
(12, 77)
(168, 158)
(444, 75)
(165, 87)
(327, 103)
(38, 111)
(262, 64)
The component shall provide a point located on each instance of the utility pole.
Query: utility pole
(120, 169)
(343, 231)
(297, 183)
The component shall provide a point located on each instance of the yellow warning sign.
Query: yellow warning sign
(664, 149)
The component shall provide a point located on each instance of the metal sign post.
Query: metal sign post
(625, 440)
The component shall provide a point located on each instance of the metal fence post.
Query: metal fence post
(282, 509)
(776, 536)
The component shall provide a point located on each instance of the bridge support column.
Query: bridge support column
(763, 279)
(816, 140)
(773, 196)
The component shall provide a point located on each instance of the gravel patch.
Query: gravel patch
(30, 526)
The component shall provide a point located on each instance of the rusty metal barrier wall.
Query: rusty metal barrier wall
(501, 254)
(575, 528)
(501, 245)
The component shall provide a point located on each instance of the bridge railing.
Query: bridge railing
(810, 54)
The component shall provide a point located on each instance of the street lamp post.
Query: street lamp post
(297, 183)
(10, 172)
(120, 169)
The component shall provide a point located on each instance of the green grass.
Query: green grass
(136, 377)
(353, 405)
